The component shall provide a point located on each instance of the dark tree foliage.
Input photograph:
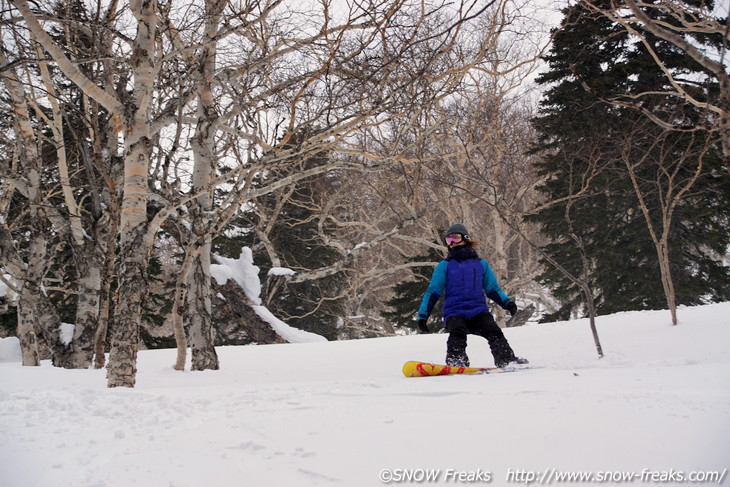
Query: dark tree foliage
(407, 295)
(593, 61)
(311, 305)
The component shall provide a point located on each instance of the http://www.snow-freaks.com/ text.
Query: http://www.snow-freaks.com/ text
(549, 476)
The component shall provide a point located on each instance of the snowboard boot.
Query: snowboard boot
(456, 359)
(513, 361)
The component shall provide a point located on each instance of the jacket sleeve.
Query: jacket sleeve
(434, 291)
(491, 288)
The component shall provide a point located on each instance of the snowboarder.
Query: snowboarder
(466, 278)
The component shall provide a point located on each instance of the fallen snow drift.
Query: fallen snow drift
(341, 413)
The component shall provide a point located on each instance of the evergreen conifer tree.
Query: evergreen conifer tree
(584, 139)
(407, 295)
(310, 305)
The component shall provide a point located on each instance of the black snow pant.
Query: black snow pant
(482, 325)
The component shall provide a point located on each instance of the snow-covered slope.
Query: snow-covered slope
(341, 413)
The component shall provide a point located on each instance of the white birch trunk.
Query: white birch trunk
(27, 335)
(87, 254)
(135, 246)
(87, 310)
(34, 309)
(199, 308)
(26, 329)
(200, 329)
(33, 299)
(105, 291)
(178, 310)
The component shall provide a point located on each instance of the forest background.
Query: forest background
(335, 141)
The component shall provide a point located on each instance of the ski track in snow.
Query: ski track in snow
(339, 413)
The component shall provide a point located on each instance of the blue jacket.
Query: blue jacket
(466, 279)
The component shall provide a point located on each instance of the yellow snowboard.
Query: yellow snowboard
(424, 369)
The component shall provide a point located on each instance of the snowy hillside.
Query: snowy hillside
(340, 413)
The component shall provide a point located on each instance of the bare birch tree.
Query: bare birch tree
(235, 85)
(407, 208)
(10, 259)
(664, 173)
(86, 228)
(133, 118)
(351, 63)
(34, 309)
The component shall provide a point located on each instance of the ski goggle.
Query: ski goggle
(453, 238)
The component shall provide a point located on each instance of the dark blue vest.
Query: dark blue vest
(464, 289)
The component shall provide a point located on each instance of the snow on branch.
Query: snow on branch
(244, 273)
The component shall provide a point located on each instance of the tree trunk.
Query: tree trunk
(725, 116)
(584, 281)
(27, 334)
(26, 329)
(200, 330)
(101, 330)
(179, 307)
(108, 243)
(667, 281)
(31, 273)
(135, 246)
(87, 311)
(133, 285)
(41, 309)
(591, 308)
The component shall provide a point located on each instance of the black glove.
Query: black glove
(422, 327)
(511, 307)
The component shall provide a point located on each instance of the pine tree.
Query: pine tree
(407, 295)
(582, 134)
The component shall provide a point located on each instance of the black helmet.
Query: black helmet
(457, 228)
